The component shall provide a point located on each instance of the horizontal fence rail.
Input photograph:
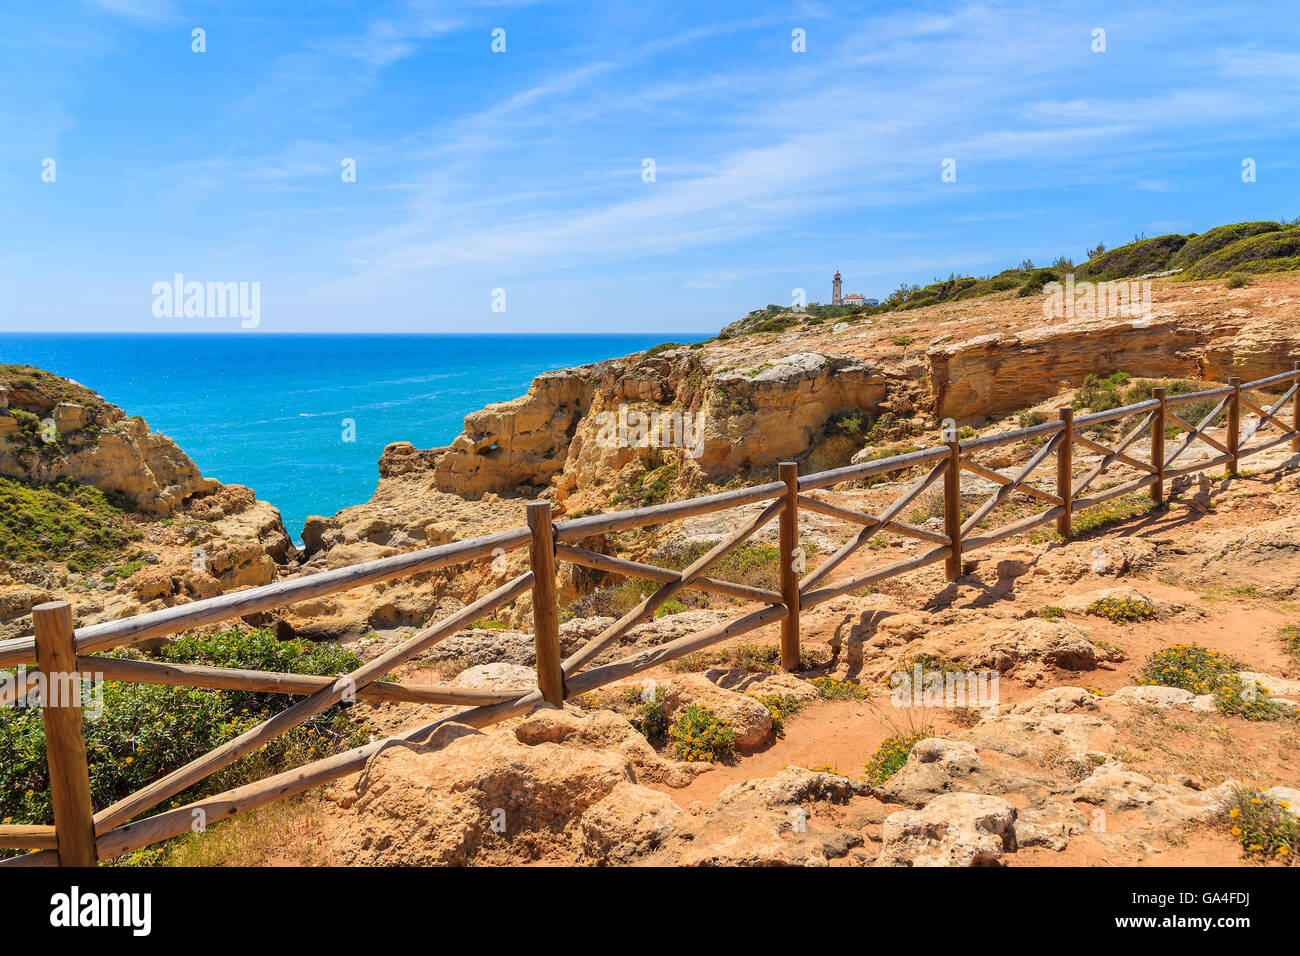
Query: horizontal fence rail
(80, 836)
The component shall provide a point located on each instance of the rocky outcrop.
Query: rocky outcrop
(215, 537)
(1002, 372)
(91, 442)
(563, 787)
(957, 829)
(521, 443)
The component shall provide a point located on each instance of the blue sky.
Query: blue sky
(522, 170)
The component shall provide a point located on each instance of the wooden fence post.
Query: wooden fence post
(1065, 471)
(65, 742)
(546, 614)
(788, 471)
(1158, 446)
(1295, 410)
(952, 508)
(1234, 424)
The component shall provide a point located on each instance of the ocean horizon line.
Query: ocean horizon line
(246, 333)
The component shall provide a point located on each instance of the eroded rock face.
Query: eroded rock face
(566, 431)
(566, 788)
(938, 765)
(956, 829)
(479, 798)
(523, 442)
(998, 373)
(779, 408)
(100, 446)
(764, 822)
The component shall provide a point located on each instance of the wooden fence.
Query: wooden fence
(61, 653)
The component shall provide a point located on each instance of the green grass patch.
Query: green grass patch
(65, 521)
(1108, 513)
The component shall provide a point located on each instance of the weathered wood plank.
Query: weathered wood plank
(194, 771)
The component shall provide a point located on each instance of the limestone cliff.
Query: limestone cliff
(176, 535)
(52, 428)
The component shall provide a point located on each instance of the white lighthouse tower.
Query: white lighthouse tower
(837, 297)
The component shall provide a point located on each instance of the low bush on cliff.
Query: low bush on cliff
(1267, 252)
(651, 487)
(1140, 257)
(1213, 240)
(891, 756)
(700, 734)
(1190, 667)
(1101, 393)
(1266, 828)
(65, 521)
(136, 733)
(53, 387)
(757, 565)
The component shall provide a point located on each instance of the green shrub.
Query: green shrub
(1122, 610)
(653, 487)
(779, 706)
(1189, 666)
(1274, 251)
(851, 424)
(671, 606)
(65, 521)
(1052, 613)
(1235, 280)
(1212, 240)
(662, 347)
(700, 734)
(1141, 257)
(1101, 393)
(1267, 829)
(1193, 412)
(757, 565)
(1237, 697)
(649, 717)
(145, 731)
(891, 755)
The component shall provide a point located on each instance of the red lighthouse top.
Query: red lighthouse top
(837, 275)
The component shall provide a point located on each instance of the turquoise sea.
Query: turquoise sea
(270, 411)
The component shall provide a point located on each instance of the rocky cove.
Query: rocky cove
(821, 394)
